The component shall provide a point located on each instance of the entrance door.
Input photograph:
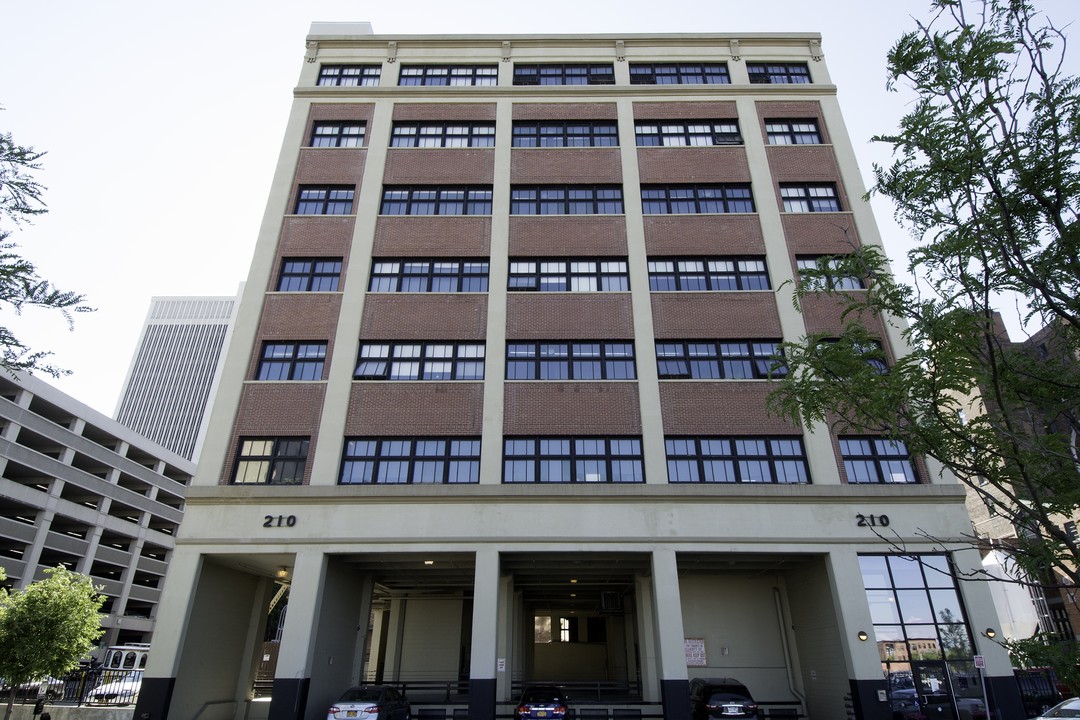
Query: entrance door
(934, 690)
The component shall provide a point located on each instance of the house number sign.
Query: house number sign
(867, 520)
(276, 521)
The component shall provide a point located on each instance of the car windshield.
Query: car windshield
(719, 698)
(361, 694)
(1067, 709)
(537, 695)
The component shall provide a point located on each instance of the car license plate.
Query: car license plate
(733, 710)
(350, 713)
(541, 713)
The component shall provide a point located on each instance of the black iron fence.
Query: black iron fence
(85, 686)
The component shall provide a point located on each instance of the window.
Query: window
(695, 199)
(420, 361)
(792, 132)
(564, 74)
(436, 201)
(399, 461)
(572, 460)
(695, 133)
(309, 275)
(453, 75)
(349, 75)
(572, 274)
(809, 198)
(736, 460)
(570, 361)
(562, 200)
(876, 460)
(738, 360)
(441, 275)
(820, 272)
(778, 73)
(271, 461)
(598, 133)
(292, 361)
(696, 274)
(679, 74)
(443, 135)
(335, 134)
(325, 200)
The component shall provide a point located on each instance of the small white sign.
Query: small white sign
(980, 662)
(695, 652)
(881, 696)
(502, 664)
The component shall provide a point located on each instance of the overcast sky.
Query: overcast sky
(163, 123)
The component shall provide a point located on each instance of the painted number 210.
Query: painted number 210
(872, 520)
(279, 520)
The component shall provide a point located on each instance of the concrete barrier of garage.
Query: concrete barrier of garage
(72, 712)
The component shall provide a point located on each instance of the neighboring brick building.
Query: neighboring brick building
(81, 490)
(495, 400)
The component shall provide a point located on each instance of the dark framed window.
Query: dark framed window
(578, 360)
(572, 460)
(431, 200)
(793, 132)
(809, 198)
(695, 199)
(821, 272)
(692, 133)
(778, 73)
(568, 274)
(449, 75)
(423, 275)
(565, 74)
(729, 360)
(459, 134)
(415, 461)
(566, 200)
(292, 361)
(1070, 529)
(325, 200)
(585, 133)
(736, 460)
(679, 74)
(699, 274)
(876, 460)
(309, 275)
(349, 75)
(420, 361)
(337, 134)
(271, 461)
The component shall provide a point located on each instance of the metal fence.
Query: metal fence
(85, 686)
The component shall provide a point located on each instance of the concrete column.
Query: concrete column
(645, 630)
(485, 631)
(667, 617)
(376, 649)
(292, 678)
(395, 633)
(506, 634)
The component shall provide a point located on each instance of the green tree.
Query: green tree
(984, 175)
(20, 285)
(46, 628)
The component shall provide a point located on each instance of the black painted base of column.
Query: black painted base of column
(865, 702)
(1003, 694)
(155, 697)
(481, 699)
(675, 695)
(289, 699)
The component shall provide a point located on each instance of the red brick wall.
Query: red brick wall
(557, 236)
(296, 317)
(803, 163)
(443, 112)
(565, 111)
(319, 236)
(716, 316)
(415, 409)
(431, 166)
(571, 408)
(400, 236)
(822, 314)
(572, 316)
(691, 165)
(820, 233)
(719, 408)
(565, 165)
(424, 317)
(330, 166)
(737, 234)
(720, 110)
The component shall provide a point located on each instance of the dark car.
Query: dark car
(370, 702)
(543, 701)
(720, 698)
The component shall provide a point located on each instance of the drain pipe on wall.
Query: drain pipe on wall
(787, 651)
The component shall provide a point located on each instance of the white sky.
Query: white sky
(163, 123)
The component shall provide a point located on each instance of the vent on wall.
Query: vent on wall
(610, 603)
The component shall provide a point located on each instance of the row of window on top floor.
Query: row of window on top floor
(684, 73)
(570, 460)
(574, 133)
(670, 199)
